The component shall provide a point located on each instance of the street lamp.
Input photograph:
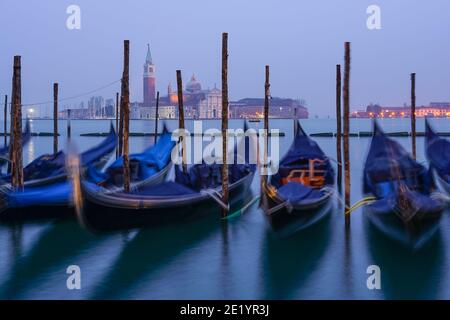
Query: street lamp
(30, 112)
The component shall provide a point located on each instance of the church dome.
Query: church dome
(193, 85)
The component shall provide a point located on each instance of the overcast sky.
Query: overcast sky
(302, 41)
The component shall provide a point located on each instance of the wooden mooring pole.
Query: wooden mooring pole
(181, 120)
(263, 169)
(121, 111)
(266, 121)
(5, 123)
(295, 122)
(156, 116)
(347, 130)
(16, 128)
(117, 124)
(69, 127)
(225, 121)
(126, 114)
(338, 127)
(413, 114)
(117, 112)
(55, 118)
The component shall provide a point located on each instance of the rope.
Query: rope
(338, 198)
(334, 160)
(214, 195)
(440, 196)
(360, 203)
(71, 97)
(241, 210)
(282, 205)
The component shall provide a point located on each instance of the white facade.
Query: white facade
(165, 112)
(211, 107)
(135, 112)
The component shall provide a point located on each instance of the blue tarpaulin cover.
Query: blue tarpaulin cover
(51, 165)
(198, 177)
(438, 152)
(142, 165)
(302, 150)
(58, 193)
(388, 165)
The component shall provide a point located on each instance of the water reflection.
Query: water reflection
(30, 147)
(150, 250)
(286, 263)
(407, 274)
(209, 259)
(58, 245)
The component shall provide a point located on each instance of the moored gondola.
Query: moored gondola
(194, 193)
(148, 167)
(300, 193)
(47, 191)
(26, 136)
(437, 150)
(405, 208)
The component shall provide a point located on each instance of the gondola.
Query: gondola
(437, 150)
(405, 207)
(191, 194)
(51, 168)
(47, 191)
(26, 137)
(299, 194)
(146, 168)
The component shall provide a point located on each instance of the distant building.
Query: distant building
(278, 108)
(95, 107)
(164, 112)
(109, 110)
(211, 106)
(192, 96)
(434, 109)
(149, 80)
(75, 113)
(135, 110)
(205, 104)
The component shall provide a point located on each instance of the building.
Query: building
(205, 104)
(211, 106)
(149, 80)
(75, 113)
(278, 108)
(135, 110)
(95, 107)
(434, 109)
(192, 96)
(164, 112)
(109, 110)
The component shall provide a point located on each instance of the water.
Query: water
(208, 260)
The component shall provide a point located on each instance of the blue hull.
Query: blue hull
(385, 216)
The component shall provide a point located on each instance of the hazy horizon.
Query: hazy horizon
(301, 41)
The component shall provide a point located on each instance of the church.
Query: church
(198, 103)
(202, 103)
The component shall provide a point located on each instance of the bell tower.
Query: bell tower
(149, 80)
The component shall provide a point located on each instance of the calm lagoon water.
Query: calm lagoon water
(207, 259)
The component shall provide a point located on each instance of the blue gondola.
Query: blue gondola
(299, 194)
(405, 208)
(190, 195)
(146, 168)
(26, 136)
(47, 192)
(437, 150)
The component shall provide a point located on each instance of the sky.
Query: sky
(302, 41)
